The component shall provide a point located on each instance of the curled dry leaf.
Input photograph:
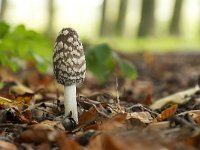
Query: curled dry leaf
(169, 112)
(177, 98)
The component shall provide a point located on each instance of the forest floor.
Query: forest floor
(120, 115)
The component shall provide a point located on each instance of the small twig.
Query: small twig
(118, 100)
(101, 112)
(144, 108)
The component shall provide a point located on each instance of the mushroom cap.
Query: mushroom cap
(69, 63)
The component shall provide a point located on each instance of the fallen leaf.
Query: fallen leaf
(144, 116)
(6, 101)
(27, 114)
(48, 125)
(19, 101)
(88, 116)
(168, 113)
(177, 98)
(44, 146)
(107, 142)
(24, 99)
(20, 89)
(7, 146)
(148, 100)
(64, 142)
(92, 114)
(120, 117)
(197, 119)
(34, 135)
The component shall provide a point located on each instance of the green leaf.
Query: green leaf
(100, 61)
(1, 85)
(4, 28)
(25, 45)
(128, 69)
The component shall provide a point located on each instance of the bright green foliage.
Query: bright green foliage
(101, 61)
(20, 44)
(3, 29)
(127, 69)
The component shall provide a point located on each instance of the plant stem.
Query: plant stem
(70, 102)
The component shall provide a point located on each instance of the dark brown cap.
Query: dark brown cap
(69, 60)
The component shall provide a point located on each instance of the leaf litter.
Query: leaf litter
(130, 115)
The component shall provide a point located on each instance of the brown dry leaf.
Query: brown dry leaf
(24, 99)
(44, 146)
(144, 116)
(64, 142)
(169, 112)
(197, 119)
(27, 114)
(148, 100)
(120, 117)
(91, 114)
(34, 135)
(48, 125)
(95, 143)
(7, 146)
(192, 141)
(113, 125)
(107, 142)
(88, 116)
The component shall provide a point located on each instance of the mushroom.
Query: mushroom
(69, 67)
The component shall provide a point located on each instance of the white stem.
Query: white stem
(70, 101)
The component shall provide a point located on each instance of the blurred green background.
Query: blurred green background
(124, 24)
(28, 29)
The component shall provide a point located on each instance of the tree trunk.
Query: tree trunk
(3, 9)
(121, 17)
(50, 8)
(174, 28)
(147, 21)
(103, 19)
